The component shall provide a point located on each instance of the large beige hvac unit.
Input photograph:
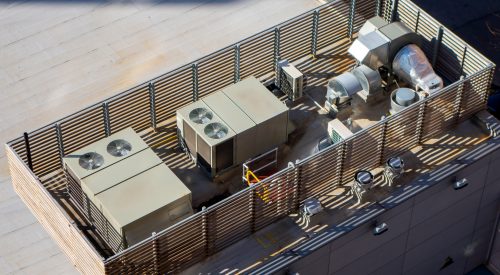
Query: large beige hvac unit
(209, 140)
(129, 184)
(232, 125)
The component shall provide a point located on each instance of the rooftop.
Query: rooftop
(425, 146)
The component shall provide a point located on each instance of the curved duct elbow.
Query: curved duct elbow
(411, 65)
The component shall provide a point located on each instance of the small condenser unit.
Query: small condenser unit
(291, 80)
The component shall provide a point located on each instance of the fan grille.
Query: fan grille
(216, 130)
(91, 161)
(200, 115)
(119, 148)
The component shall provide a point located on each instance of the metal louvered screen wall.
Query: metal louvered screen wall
(321, 33)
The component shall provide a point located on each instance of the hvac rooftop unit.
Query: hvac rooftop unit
(128, 184)
(291, 80)
(208, 138)
(232, 125)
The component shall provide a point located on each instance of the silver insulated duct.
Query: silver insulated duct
(411, 65)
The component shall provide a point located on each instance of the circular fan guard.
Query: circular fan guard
(119, 148)
(200, 115)
(216, 130)
(91, 161)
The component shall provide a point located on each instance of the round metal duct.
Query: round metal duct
(216, 130)
(403, 97)
(91, 161)
(345, 85)
(200, 115)
(369, 79)
(119, 148)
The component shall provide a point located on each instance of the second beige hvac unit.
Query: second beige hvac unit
(269, 114)
(232, 125)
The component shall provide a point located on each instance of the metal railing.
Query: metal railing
(316, 42)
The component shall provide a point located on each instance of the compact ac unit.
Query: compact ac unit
(291, 80)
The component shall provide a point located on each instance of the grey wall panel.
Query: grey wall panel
(435, 261)
(358, 230)
(491, 193)
(444, 219)
(366, 242)
(494, 171)
(477, 250)
(393, 267)
(377, 258)
(495, 253)
(442, 195)
(315, 263)
(487, 214)
(443, 241)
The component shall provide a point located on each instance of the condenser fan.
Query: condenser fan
(200, 115)
(91, 161)
(119, 148)
(215, 130)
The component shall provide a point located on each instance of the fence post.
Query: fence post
(437, 45)
(195, 81)
(394, 10)
(420, 122)
(251, 208)
(463, 62)
(458, 100)
(314, 35)
(204, 229)
(152, 104)
(236, 63)
(378, 8)
(341, 159)
(382, 141)
(156, 252)
(417, 21)
(28, 150)
(350, 24)
(276, 55)
(60, 144)
(298, 172)
(105, 112)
